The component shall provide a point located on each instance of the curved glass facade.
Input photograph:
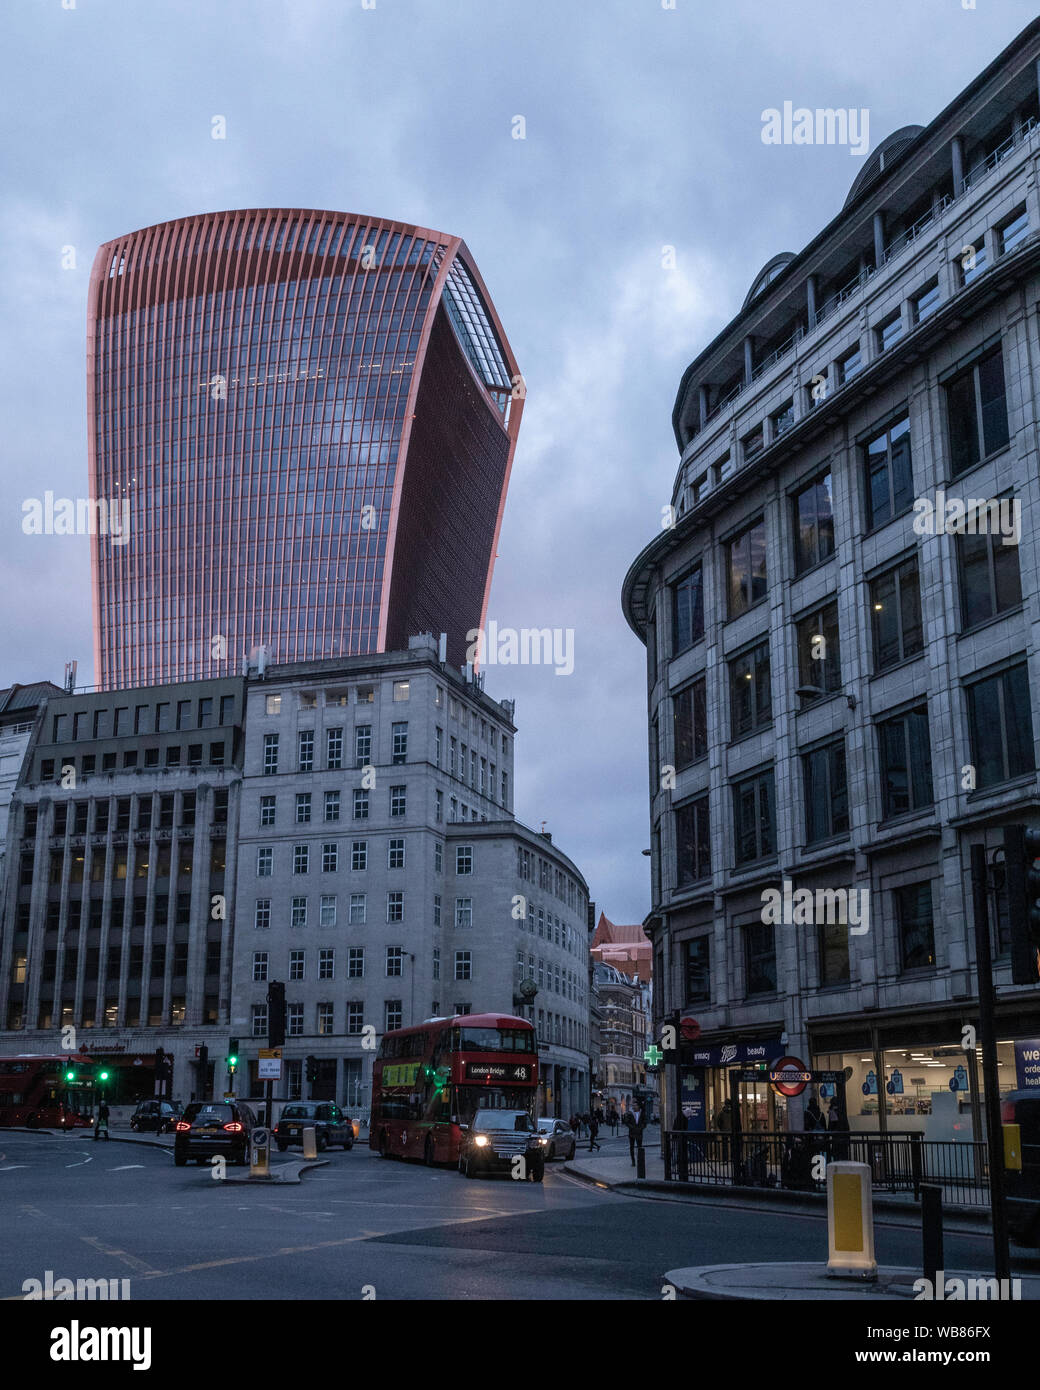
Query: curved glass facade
(257, 385)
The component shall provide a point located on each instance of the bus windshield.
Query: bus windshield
(493, 1040)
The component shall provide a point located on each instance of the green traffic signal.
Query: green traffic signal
(103, 1076)
(70, 1076)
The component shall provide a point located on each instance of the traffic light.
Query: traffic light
(163, 1065)
(70, 1076)
(232, 1057)
(312, 1068)
(275, 1014)
(102, 1075)
(1021, 853)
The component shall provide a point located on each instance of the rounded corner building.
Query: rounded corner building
(842, 680)
(309, 419)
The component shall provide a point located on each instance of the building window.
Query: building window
(889, 331)
(355, 1017)
(888, 474)
(298, 910)
(333, 749)
(259, 967)
(1001, 727)
(326, 1015)
(326, 963)
(359, 856)
(692, 842)
(270, 754)
(972, 262)
(436, 963)
(976, 409)
(332, 805)
(826, 792)
(759, 958)
(362, 745)
(297, 963)
(782, 420)
(294, 1021)
(989, 574)
(399, 734)
(752, 444)
(398, 801)
(750, 698)
(463, 859)
(392, 1014)
(698, 970)
(264, 861)
(814, 524)
(690, 723)
(436, 909)
(1012, 231)
(267, 804)
(895, 614)
(395, 854)
(259, 1020)
(303, 808)
(754, 818)
(746, 568)
(305, 750)
(688, 610)
(438, 805)
(356, 963)
(395, 960)
(916, 925)
(463, 912)
(904, 748)
(463, 965)
(925, 302)
(301, 859)
(262, 917)
(401, 691)
(438, 856)
(360, 804)
(832, 942)
(819, 655)
(395, 906)
(327, 910)
(274, 704)
(357, 909)
(849, 365)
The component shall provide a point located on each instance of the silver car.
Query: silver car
(561, 1138)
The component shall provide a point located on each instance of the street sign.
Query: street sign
(690, 1029)
(269, 1064)
(789, 1076)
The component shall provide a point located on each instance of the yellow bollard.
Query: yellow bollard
(310, 1142)
(850, 1222)
(260, 1154)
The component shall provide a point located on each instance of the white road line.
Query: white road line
(11, 1166)
(123, 1167)
(88, 1159)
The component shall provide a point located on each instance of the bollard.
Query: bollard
(259, 1153)
(310, 1142)
(850, 1222)
(640, 1162)
(932, 1231)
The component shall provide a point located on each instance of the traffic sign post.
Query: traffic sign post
(260, 1153)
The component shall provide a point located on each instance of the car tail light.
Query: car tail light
(234, 1127)
(182, 1126)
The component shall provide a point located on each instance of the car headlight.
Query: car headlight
(480, 1141)
(542, 1139)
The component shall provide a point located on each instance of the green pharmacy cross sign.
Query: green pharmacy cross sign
(653, 1055)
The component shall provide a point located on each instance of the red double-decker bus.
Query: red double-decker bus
(430, 1079)
(51, 1090)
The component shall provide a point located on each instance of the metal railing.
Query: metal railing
(899, 1162)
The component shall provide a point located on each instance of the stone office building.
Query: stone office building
(117, 916)
(383, 879)
(842, 693)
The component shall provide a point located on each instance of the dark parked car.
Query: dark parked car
(1022, 1108)
(209, 1128)
(158, 1115)
(496, 1138)
(330, 1125)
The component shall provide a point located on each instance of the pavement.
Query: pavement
(797, 1281)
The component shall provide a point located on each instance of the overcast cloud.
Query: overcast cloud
(643, 130)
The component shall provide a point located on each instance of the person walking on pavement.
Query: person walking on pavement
(593, 1131)
(636, 1125)
(724, 1124)
(813, 1117)
(101, 1124)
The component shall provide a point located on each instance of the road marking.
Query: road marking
(141, 1266)
(88, 1159)
(11, 1166)
(123, 1167)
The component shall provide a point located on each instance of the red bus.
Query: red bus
(51, 1090)
(430, 1079)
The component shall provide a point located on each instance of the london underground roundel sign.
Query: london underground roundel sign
(789, 1076)
(690, 1029)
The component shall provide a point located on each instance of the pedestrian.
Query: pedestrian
(813, 1117)
(593, 1131)
(101, 1124)
(575, 1122)
(636, 1125)
(599, 1114)
(613, 1120)
(724, 1124)
(679, 1124)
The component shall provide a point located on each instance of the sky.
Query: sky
(616, 238)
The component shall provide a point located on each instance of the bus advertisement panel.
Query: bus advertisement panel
(431, 1079)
